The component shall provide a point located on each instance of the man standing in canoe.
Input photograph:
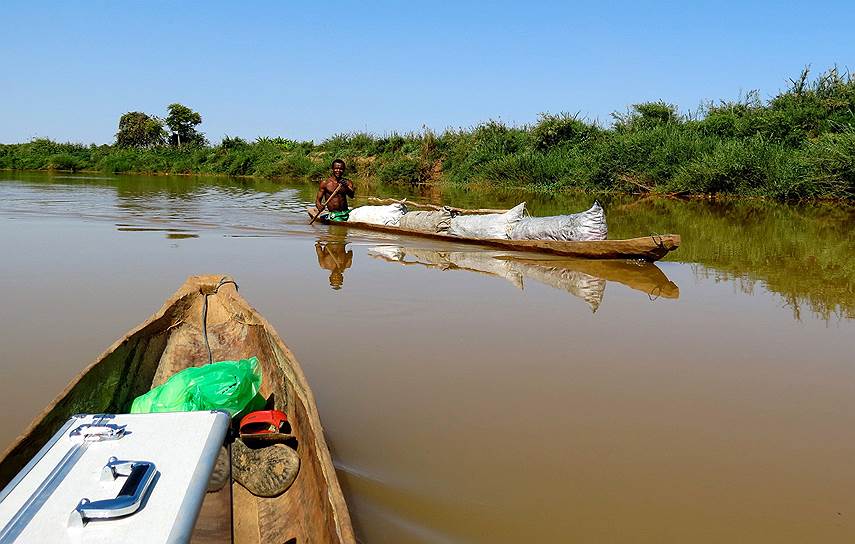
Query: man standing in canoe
(336, 203)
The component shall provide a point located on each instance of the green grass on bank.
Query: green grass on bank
(798, 145)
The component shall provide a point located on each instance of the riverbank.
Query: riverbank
(800, 144)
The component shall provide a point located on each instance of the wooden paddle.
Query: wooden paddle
(434, 207)
(323, 207)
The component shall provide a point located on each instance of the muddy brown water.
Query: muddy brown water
(470, 395)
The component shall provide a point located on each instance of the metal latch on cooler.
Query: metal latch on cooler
(97, 432)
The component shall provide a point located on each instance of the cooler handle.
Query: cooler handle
(140, 475)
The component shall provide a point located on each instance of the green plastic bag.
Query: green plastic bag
(226, 385)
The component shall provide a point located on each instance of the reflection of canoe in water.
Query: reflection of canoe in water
(472, 261)
(584, 279)
(648, 248)
(311, 510)
(645, 277)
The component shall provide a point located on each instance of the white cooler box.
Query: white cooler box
(115, 478)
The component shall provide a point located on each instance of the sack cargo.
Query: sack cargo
(494, 225)
(579, 227)
(428, 221)
(378, 215)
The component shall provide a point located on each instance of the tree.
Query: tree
(137, 129)
(182, 122)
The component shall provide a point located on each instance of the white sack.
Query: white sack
(378, 215)
(428, 221)
(582, 227)
(494, 225)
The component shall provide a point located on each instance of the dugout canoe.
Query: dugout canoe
(174, 338)
(647, 248)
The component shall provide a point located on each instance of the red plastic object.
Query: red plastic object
(262, 422)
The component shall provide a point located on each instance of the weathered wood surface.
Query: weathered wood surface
(312, 510)
(647, 248)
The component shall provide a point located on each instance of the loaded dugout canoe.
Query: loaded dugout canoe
(647, 248)
(174, 338)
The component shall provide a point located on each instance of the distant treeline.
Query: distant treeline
(799, 144)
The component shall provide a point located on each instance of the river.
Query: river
(470, 395)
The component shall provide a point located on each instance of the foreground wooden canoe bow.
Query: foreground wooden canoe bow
(647, 248)
(311, 510)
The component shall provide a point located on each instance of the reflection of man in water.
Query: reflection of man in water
(332, 256)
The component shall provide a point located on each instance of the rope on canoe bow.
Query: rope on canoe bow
(657, 239)
(222, 282)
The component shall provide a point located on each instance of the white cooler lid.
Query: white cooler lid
(183, 447)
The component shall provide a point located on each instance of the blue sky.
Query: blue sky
(308, 70)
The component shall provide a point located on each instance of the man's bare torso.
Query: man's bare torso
(338, 202)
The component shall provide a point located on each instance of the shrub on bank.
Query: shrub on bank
(529, 168)
(747, 167)
(831, 160)
(63, 161)
(401, 169)
(560, 130)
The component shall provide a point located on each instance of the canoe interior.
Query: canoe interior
(312, 510)
(647, 248)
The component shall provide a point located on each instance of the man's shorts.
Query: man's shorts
(339, 216)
